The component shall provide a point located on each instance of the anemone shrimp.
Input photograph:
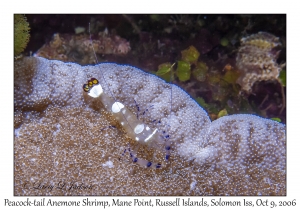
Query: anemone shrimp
(135, 128)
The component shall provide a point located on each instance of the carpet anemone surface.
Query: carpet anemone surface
(67, 140)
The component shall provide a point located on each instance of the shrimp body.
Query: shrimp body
(135, 128)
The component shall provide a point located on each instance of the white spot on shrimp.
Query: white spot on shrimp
(116, 107)
(139, 128)
(96, 91)
(147, 128)
(137, 138)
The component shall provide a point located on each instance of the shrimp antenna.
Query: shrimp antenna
(167, 147)
(102, 75)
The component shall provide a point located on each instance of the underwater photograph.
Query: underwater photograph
(149, 104)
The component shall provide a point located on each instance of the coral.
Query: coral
(64, 136)
(256, 59)
(78, 48)
(21, 33)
